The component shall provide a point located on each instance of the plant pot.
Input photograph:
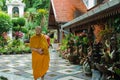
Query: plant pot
(74, 59)
(95, 75)
(86, 68)
(101, 68)
(3, 78)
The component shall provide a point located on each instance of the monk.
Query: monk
(40, 54)
(48, 39)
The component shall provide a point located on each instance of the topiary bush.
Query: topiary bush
(5, 22)
(18, 22)
(21, 21)
(24, 30)
(15, 22)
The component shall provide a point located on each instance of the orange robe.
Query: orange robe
(40, 62)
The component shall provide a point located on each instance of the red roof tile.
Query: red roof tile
(64, 9)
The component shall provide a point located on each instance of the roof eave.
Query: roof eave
(90, 13)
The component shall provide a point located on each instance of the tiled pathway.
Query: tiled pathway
(18, 67)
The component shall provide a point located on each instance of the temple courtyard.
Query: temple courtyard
(18, 67)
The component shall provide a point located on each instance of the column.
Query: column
(21, 11)
(9, 9)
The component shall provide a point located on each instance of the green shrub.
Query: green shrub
(15, 22)
(24, 30)
(21, 21)
(5, 22)
(17, 28)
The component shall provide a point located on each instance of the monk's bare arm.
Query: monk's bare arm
(33, 49)
(37, 50)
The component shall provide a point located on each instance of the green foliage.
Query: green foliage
(3, 78)
(117, 71)
(85, 40)
(41, 4)
(116, 24)
(31, 10)
(16, 28)
(21, 21)
(37, 13)
(5, 22)
(31, 25)
(63, 46)
(3, 5)
(14, 46)
(18, 21)
(24, 30)
(1, 41)
(15, 22)
(16, 42)
(44, 30)
(36, 4)
(42, 11)
(40, 17)
(105, 32)
(28, 3)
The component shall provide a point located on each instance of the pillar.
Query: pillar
(9, 7)
(21, 11)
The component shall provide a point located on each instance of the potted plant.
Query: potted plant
(3, 78)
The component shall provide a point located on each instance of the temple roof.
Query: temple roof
(65, 10)
(107, 9)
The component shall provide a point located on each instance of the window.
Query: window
(89, 3)
(86, 2)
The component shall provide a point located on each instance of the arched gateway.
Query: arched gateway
(15, 8)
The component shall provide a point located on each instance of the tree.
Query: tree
(31, 13)
(1, 4)
(41, 19)
(43, 4)
(28, 4)
(37, 12)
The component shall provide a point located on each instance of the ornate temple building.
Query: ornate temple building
(15, 8)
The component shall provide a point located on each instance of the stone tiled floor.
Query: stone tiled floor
(18, 67)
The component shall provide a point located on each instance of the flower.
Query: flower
(18, 34)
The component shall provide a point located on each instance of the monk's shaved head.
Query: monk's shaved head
(38, 30)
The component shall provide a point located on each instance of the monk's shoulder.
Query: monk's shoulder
(43, 35)
(32, 37)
